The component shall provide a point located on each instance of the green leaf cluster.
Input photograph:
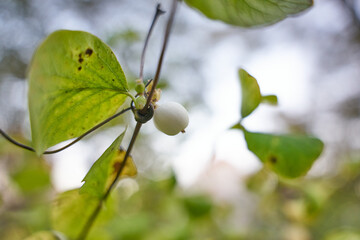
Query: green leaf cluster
(288, 155)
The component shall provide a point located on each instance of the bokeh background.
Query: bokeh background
(204, 184)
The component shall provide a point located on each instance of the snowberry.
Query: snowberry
(171, 118)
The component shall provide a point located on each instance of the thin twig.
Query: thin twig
(142, 61)
(7, 137)
(88, 132)
(161, 58)
(96, 212)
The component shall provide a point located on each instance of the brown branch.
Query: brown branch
(96, 212)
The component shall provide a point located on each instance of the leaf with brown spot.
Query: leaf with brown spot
(71, 88)
(129, 170)
(104, 170)
(288, 155)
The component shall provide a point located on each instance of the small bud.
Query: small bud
(139, 87)
(140, 102)
(171, 118)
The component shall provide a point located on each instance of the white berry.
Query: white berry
(171, 118)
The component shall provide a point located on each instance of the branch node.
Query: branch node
(142, 115)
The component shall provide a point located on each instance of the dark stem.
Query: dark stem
(142, 61)
(7, 137)
(161, 58)
(88, 132)
(96, 212)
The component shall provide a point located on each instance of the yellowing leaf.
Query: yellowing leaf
(75, 82)
(249, 13)
(129, 170)
(288, 155)
(104, 171)
(250, 93)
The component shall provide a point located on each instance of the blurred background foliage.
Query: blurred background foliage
(324, 205)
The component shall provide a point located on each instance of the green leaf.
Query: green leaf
(71, 211)
(288, 155)
(270, 99)
(75, 83)
(103, 172)
(250, 93)
(249, 13)
(42, 235)
(237, 126)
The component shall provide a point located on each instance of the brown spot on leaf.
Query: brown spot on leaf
(113, 80)
(80, 58)
(88, 52)
(116, 166)
(79, 68)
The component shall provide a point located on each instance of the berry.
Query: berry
(171, 118)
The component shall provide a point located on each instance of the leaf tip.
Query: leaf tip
(237, 126)
(270, 99)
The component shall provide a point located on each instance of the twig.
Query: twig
(142, 61)
(7, 137)
(161, 58)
